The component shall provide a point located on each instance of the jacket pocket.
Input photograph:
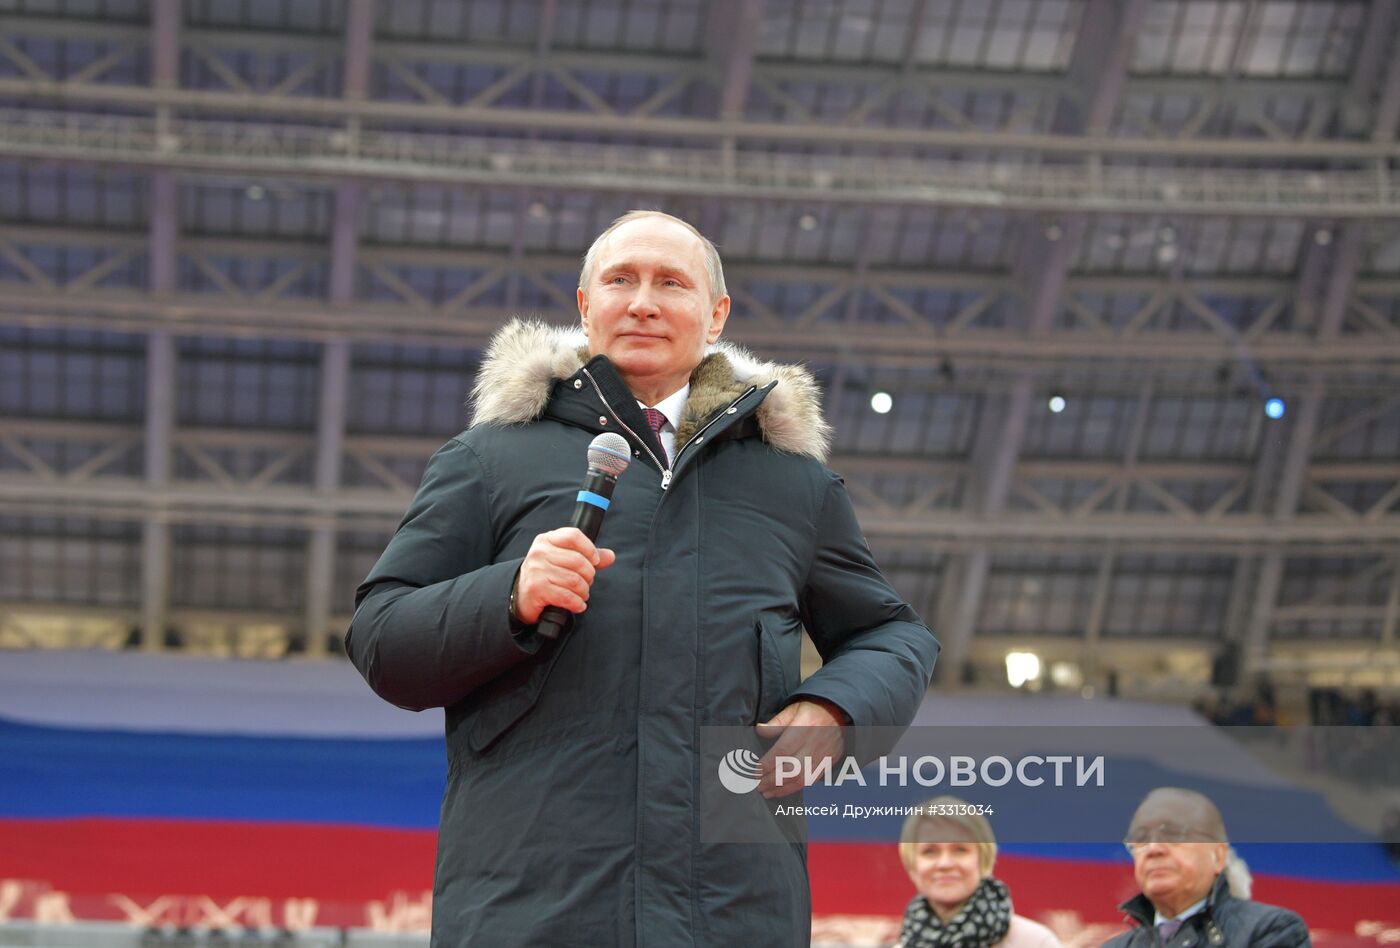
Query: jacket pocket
(509, 698)
(777, 672)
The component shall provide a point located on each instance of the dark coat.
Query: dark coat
(1226, 922)
(570, 816)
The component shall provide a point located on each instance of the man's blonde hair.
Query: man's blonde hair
(959, 814)
(713, 268)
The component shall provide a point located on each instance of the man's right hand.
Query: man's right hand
(558, 571)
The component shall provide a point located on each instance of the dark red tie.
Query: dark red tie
(656, 419)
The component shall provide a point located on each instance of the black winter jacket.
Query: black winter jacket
(570, 815)
(1226, 922)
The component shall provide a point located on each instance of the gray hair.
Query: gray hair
(1208, 818)
(713, 268)
(1237, 875)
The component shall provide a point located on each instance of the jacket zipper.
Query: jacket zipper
(718, 415)
(666, 472)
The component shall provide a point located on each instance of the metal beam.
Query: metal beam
(1097, 70)
(321, 542)
(335, 354)
(17, 614)
(994, 457)
(359, 36)
(83, 436)
(545, 263)
(161, 377)
(624, 63)
(1103, 581)
(1378, 38)
(637, 62)
(1391, 622)
(1388, 103)
(1246, 569)
(127, 499)
(155, 537)
(542, 263)
(202, 315)
(700, 130)
(1357, 111)
(1000, 349)
(331, 419)
(308, 152)
(311, 152)
(731, 41)
(1345, 261)
(732, 36)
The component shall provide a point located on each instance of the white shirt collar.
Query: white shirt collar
(1191, 910)
(672, 405)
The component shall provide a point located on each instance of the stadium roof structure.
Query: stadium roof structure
(250, 252)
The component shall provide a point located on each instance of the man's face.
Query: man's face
(1174, 862)
(647, 306)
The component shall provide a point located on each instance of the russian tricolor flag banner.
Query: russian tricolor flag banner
(169, 790)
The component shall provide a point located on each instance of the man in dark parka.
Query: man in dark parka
(1180, 859)
(571, 812)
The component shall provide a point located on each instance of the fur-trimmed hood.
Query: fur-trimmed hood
(525, 358)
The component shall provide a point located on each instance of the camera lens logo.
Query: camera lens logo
(738, 771)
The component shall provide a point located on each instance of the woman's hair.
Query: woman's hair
(954, 812)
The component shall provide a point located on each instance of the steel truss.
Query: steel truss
(725, 155)
(988, 322)
(251, 477)
(253, 83)
(309, 151)
(1065, 148)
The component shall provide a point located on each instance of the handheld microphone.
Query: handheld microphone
(608, 456)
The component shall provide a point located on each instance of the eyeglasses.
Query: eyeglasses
(1164, 833)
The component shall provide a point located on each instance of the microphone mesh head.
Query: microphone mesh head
(609, 453)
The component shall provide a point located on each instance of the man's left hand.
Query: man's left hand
(809, 730)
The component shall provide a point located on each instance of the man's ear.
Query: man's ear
(717, 319)
(583, 308)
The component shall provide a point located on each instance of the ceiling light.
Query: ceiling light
(1022, 668)
(1056, 403)
(881, 403)
(807, 222)
(1275, 408)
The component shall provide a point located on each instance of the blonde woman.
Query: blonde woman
(949, 852)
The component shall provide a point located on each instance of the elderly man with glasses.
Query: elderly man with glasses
(1180, 850)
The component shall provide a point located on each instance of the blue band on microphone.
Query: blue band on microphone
(597, 500)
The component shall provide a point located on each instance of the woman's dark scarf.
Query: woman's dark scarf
(982, 921)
